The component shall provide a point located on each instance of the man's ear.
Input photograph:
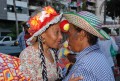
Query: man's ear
(81, 34)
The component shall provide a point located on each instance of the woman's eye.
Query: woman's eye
(57, 32)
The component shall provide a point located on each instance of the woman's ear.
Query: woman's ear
(43, 36)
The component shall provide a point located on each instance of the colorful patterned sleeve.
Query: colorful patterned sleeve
(27, 64)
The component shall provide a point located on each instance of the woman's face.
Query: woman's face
(53, 36)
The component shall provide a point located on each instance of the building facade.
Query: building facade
(7, 11)
(11, 12)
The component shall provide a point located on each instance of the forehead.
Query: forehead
(72, 27)
(54, 27)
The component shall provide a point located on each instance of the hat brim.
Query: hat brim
(79, 21)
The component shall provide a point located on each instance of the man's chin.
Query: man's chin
(73, 50)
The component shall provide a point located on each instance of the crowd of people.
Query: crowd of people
(85, 54)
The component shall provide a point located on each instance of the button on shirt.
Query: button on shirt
(92, 65)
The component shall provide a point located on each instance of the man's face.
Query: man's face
(73, 39)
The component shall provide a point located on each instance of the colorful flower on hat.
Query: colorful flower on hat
(50, 10)
(34, 24)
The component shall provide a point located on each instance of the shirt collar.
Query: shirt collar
(86, 51)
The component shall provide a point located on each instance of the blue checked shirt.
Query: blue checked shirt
(92, 65)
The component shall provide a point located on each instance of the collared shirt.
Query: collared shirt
(92, 65)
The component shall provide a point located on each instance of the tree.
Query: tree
(16, 20)
(113, 8)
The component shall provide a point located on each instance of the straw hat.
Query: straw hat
(41, 21)
(88, 22)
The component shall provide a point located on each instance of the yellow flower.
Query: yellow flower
(50, 10)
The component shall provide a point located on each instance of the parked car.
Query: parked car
(6, 41)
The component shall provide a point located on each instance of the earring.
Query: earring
(43, 41)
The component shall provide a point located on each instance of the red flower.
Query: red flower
(35, 24)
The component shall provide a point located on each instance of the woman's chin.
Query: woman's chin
(56, 47)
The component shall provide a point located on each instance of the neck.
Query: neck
(84, 45)
(46, 52)
(45, 47)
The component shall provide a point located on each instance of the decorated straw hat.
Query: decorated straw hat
(41, 21)
(88, 22)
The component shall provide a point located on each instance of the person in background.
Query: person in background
(39, 60)
(85, 29)
(23, 36)
(117, 40)
(105, 46)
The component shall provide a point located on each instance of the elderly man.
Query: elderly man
(85, 29)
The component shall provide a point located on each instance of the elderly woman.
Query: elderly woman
(39, 60)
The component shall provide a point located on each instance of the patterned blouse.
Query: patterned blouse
(31, 65)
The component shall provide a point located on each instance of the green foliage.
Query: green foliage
(84, 6)
(113, 8)
(11, 26)
(13, 29)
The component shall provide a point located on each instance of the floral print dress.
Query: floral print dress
(31, 65)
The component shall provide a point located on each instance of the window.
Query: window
(10, 8)
(18, 9)
(6, 39)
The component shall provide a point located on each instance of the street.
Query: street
(11, 50)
